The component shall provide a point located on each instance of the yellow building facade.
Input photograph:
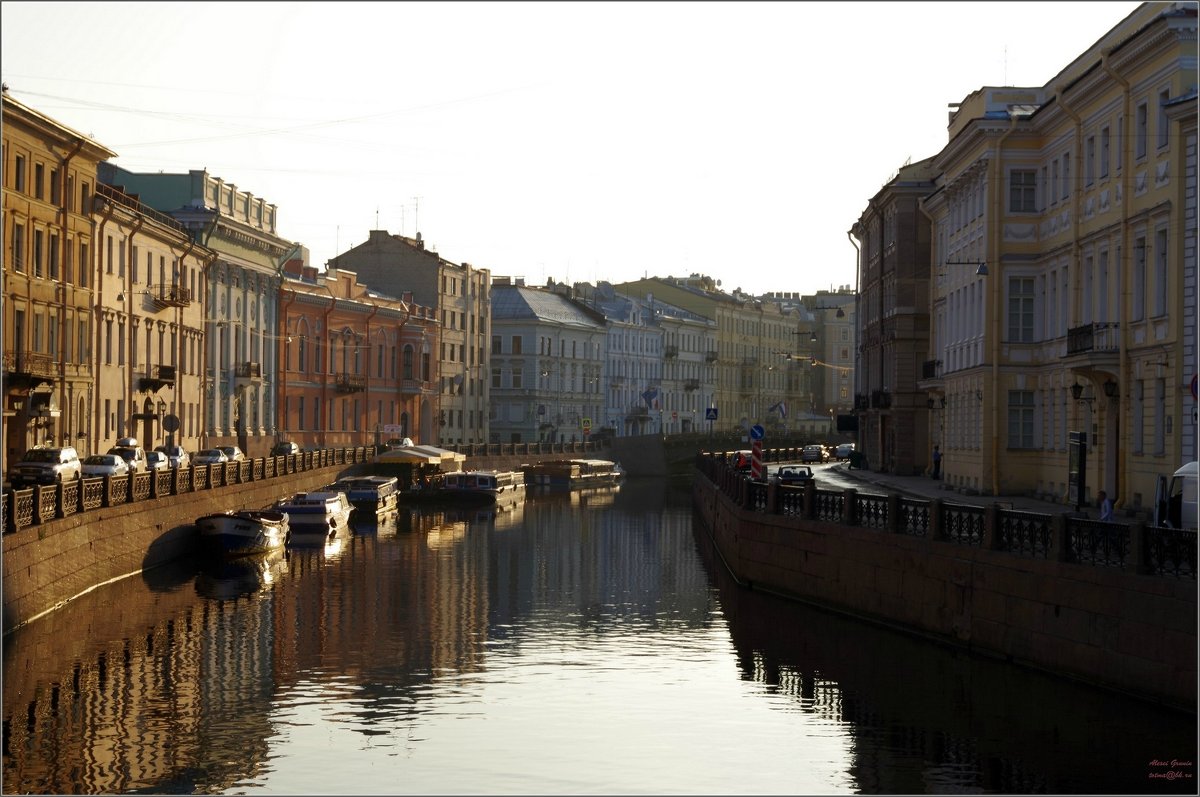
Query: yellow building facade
(49, 250)
(1075, 198)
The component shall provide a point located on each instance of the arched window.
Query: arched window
(407, 372)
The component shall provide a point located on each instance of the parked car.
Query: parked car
(134, 454)
(844, 451)
(398, 442)
(177, 457)
(793, 475)
(210, 456)
(157, 460)
(233, 453)
(105, 465)
(814, 453)
(283, 449)
(46, 465)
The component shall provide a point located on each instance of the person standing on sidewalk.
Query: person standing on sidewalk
(1106, 507)
(937, 463)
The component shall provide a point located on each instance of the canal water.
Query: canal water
(578, 644)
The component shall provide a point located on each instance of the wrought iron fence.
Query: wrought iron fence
(1025, 533)
(963, 524)
(1097, 543)
(43, 503)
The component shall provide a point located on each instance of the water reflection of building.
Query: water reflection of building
(157, 685)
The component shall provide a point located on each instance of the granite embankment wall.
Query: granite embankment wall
(46, 564)
(1113, 627)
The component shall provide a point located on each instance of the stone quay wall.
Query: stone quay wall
(1047, 602)
(63, 540)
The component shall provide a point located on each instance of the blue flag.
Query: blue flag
(649, 396)
(780, 407)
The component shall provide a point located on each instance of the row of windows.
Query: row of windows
(1045, 424)
(1026, 194)
(348, 359)
(1047, 297)
(47, 183)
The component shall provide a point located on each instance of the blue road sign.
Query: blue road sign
(757, 432)
(710, 414)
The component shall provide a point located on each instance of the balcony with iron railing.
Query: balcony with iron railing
(931, 369)
(158, 376)
(1096, 338)
(416, 386)
(350, 383)
(28, 369)
(671, 351)
(710, 357)
(691, 384)
(248, 370)
(881, 399)
(862, 401)
(172, 295)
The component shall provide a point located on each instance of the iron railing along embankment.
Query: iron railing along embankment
(1063, 537)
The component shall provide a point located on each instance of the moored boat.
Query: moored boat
(243, 532)
(316, 515)
(376, 494)
(573, 473)
(483, 487)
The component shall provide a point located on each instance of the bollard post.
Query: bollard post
(1138, 542)
(810, 499)
(991, 527)
(895, 524)
(772, 497)
(1062, 537)
(936, 524)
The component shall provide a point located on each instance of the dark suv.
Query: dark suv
(284, 449)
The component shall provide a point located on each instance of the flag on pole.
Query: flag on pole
(650, 397)
(780, 407)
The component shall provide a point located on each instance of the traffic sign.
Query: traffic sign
(757, 432)
(171, 422)
(587, 425)
(710, 414)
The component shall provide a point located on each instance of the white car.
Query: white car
(233, 453)
(210, 456)
(177, 457)
(157, 460)
(135, 455)
(104, 465)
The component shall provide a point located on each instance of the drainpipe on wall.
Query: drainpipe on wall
(857, 321)
(126, 309)
(1125, 376)
(99, 424)
(367, 374)
(280, 414)
(68, 397)
(325, 382)
(997, 291)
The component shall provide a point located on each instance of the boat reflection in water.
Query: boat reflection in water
(585, 498)
(224, 578)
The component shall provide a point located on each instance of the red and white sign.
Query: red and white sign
(756, 463)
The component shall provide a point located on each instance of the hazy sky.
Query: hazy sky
(574, 141)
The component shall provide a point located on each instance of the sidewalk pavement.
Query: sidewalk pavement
(923, 487)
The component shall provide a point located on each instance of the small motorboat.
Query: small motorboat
(316, 515)
(573, 474)
(483, 487)
(243, 532)
(372, 494)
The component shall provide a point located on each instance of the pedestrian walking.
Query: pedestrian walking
(937, 463)
(1106, 507)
